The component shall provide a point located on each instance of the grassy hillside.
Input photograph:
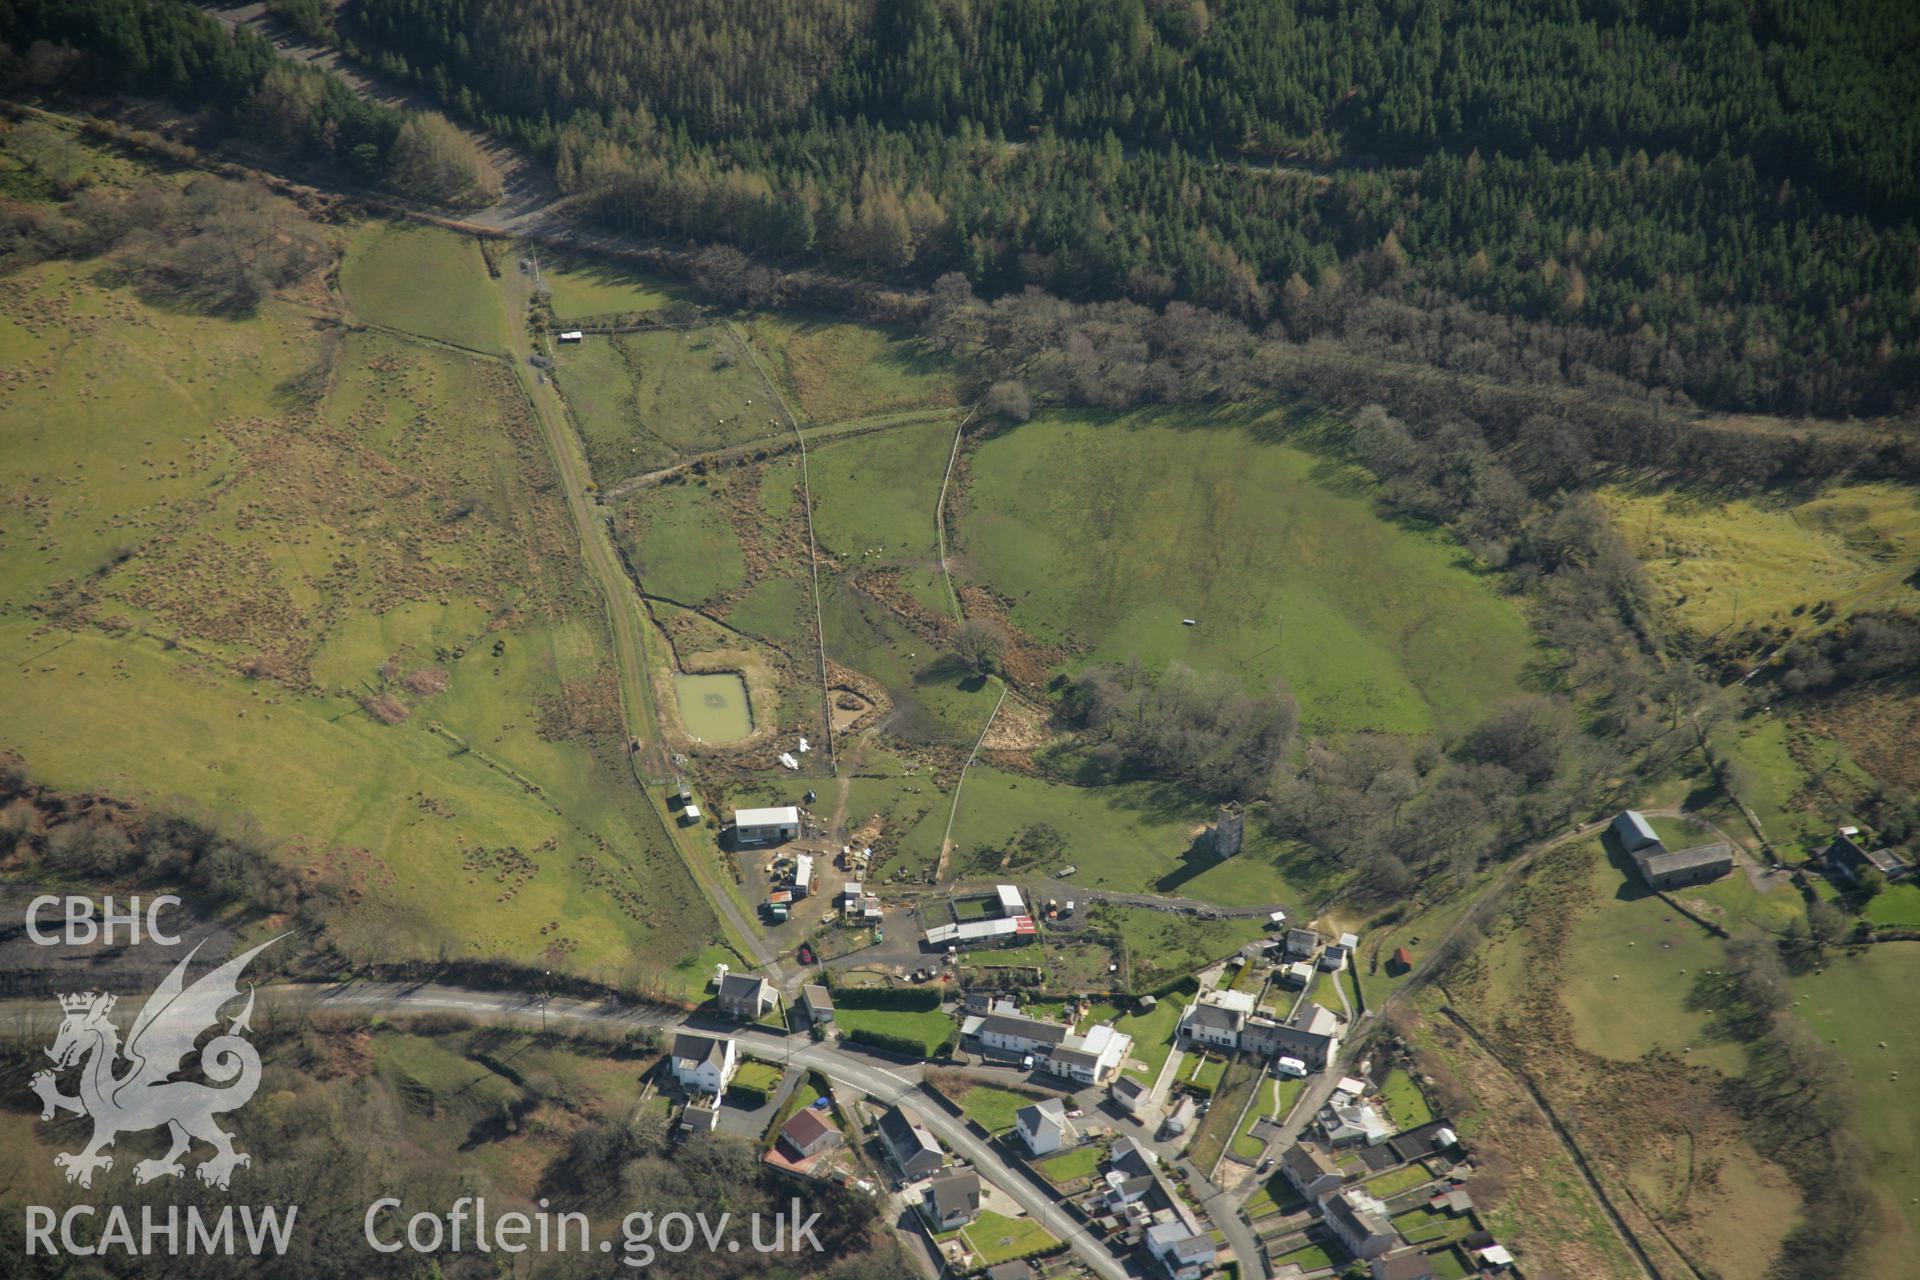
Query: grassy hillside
(425, 281)
(1598, 990)
(833, 372)
(1733, 562)
(322, 580)
(650, 399)
(1107, 532)
(1858, 1004)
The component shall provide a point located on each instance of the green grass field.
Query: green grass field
(1071, 1166)
(579, 286)
(650, 399)
(1107, 531)
(1859, 1004)
(874, 495)
(935, 700)
(349, 517)
(832, 371)
(1161, 948)
(1727, 562)
(930, 1027)
(995, 1238)
(1406, 1104)
(1659, 957)
(680, 543)
(994, 1108)
(425, 281)
(1153, 1032)
(1135, 837)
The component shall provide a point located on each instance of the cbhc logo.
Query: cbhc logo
(82, 927)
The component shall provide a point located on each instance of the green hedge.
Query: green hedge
(905, 1046)
(904, 999)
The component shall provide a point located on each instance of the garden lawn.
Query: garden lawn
(1106, 531)
(1311, 1258)
(1070, 1166)
(931, 1027)
(1406, 1104)
(994, 1108)
(1391, 1184)
(994, 1238)
(1153, 1033)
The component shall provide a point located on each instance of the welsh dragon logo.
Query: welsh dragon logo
(143, 1095)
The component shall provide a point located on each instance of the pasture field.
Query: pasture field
(680, 543)
(1106, 531)
(579, 286)
(1132, 837)
(1796, 769)
(935, 699)
(425, 281)
(874, 495)
(832, 372)
(318, 579)
(649, 399)
(1723, 562)
(1605, 992)
(1857, 1003)
(1161, 947)
(1658, 956)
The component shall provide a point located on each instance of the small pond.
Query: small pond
(714, 706)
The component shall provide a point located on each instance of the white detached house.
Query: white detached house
(704, 1065)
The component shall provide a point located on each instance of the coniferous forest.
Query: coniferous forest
(1715, 199)
(1712, 201)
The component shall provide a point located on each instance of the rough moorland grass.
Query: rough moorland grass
(1107, 531)
(347, 509)
(1861, 1005)
(680, 543)
(833, 371)
(425, 281)
(1732, 561)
